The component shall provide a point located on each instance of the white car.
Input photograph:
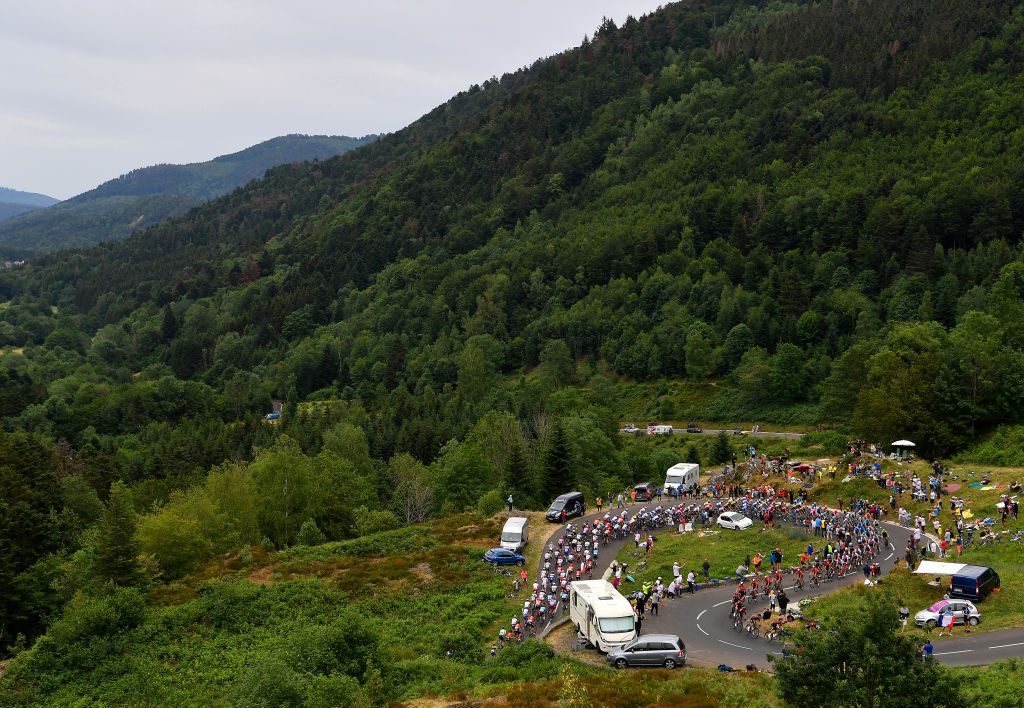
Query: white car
(734, 520)
(930, 617)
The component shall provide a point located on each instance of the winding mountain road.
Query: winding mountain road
(702, 619)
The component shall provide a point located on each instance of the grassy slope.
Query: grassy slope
(723, 549)
(686, 401)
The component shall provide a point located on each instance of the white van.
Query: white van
(601, 614)
(682, 476)
(516, 533)
(659, 429)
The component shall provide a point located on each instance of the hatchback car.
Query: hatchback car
(665, 650)
(644, 492)
(734, 520)
(503, 556)
(930, 618)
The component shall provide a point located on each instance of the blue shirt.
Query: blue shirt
(928, 649)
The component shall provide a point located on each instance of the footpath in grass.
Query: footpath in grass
(725, 550)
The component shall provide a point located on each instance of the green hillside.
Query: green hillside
(151, 195)
(13, 202)
(797, 213)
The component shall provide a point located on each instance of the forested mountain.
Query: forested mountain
(149, 195)
(815, 206)
(13, 202)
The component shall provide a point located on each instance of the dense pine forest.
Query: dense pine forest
(810, 213)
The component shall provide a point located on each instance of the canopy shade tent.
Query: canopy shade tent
(903, 443)
(938, 568)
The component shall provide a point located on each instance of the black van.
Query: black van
(974, 582)
(570, 502)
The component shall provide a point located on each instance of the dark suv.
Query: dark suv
(570, 502)
(694, 428)
(665, 650)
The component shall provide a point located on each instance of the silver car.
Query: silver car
(931, 617)
(665, 650)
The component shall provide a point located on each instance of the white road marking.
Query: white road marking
(738, 646)
(698, 623)
(889, 556)
(1004, 646)
(943, 653)
(723, 602)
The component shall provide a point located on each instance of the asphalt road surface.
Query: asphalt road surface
(702, 619)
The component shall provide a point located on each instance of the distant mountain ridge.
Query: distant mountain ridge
(149, 195)
(14, 202)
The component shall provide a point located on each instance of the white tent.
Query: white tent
(939, 568)
(903, 443)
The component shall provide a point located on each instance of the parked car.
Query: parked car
(273, 416)
(631, 428)
(665, 650)
(734, 520)
(571, 503)
(503, 556)
(694, 428)
(738, 431)
(974, 582)
(644, 491)
(930, 617)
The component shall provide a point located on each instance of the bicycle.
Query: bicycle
(753, 629)
(642, 565)
(737, 624)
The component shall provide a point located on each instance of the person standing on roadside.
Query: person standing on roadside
(707, 569)
(783, 600)
(509, 501)
(691, 582)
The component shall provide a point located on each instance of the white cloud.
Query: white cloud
(94, 89)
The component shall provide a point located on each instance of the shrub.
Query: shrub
(343, 646)
(86, 618)
(490, 503)
(370, 522)
(269, 683)
(310, 534)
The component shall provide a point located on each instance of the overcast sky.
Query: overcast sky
(91, 90)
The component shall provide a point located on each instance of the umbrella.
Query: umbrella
(903, 443)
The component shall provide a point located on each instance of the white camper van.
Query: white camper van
(681, 476)
(601, 614)
(659, 429)
(516, 533)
